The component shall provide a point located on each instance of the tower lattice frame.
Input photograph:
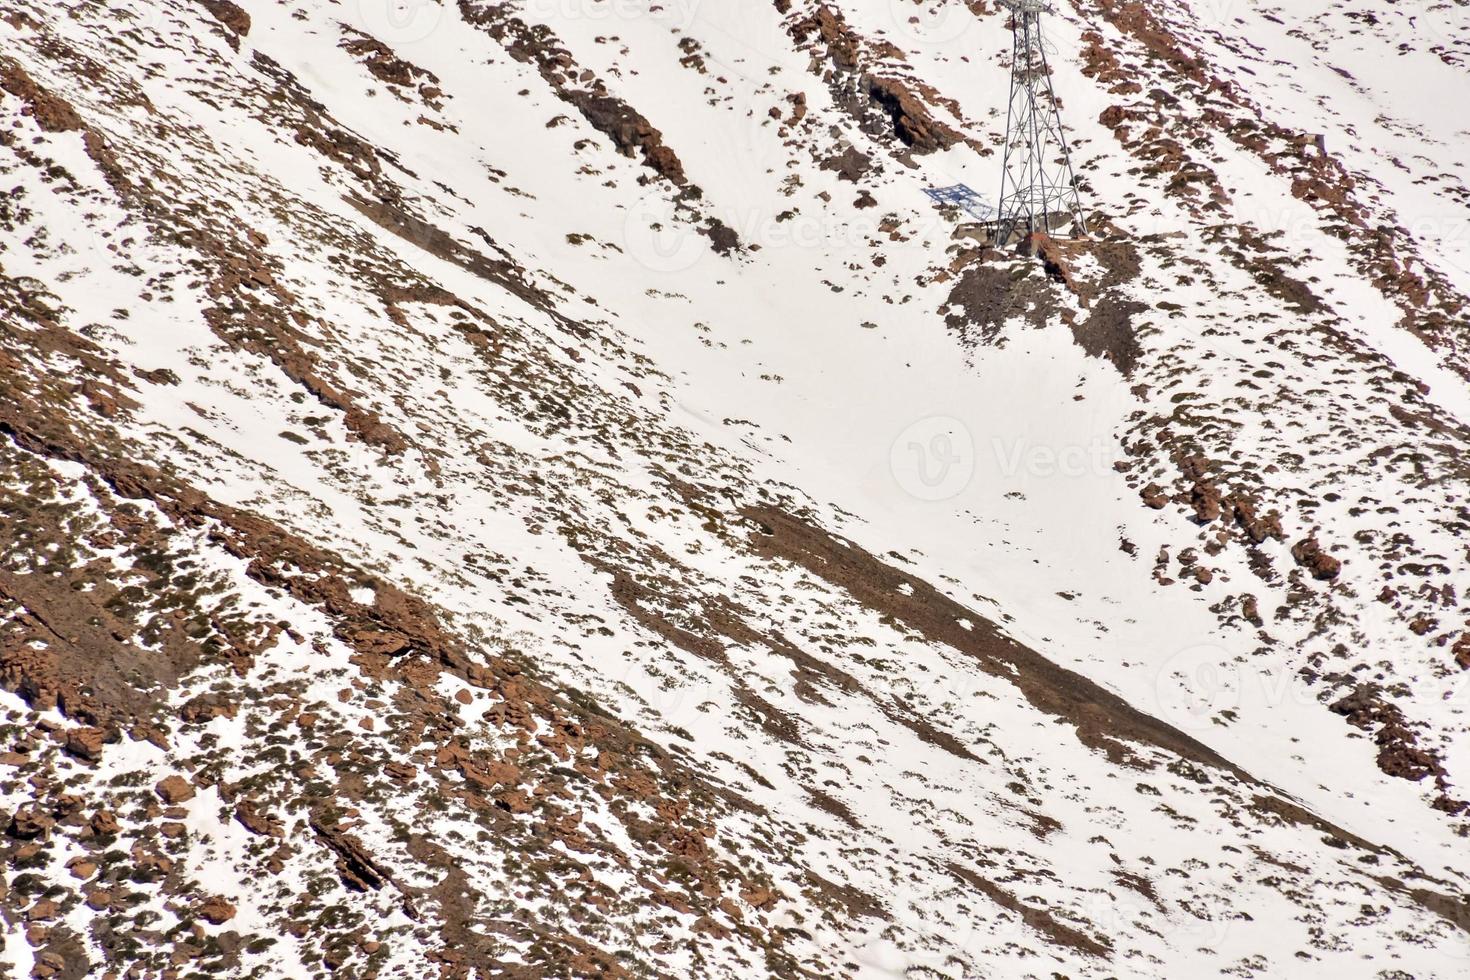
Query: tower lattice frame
(1038, 189)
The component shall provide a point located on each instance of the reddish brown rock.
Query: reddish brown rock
(1364, 707)
(48, 964)
(400, 770)
(81, 867)
(912, 122)
(230, 15)
(386, 66)
(1040, 245)
(629, 130)
(1399, 756)
(722, 238)
(85, 743)
(1250, 609)
(850, 165)
(43, 911)
(201, 709)
(1154, 496)
(1309, 554)
(382, 642)
(149, 865)
(708, 926)
(1206, 500)
(174, 789)
(67, 805)
(359, 869)
(761, 897)
(216, 910)
(1257, 527)
(52, 113)
(256, 822)
(515, 801)
(29, 822)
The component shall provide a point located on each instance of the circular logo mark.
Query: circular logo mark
(933, 459)
(400, 21)
(1196, 684)
(931, 22)
(657, 238)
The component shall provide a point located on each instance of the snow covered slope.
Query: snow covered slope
(535, 489)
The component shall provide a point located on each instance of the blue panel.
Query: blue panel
(962, 196)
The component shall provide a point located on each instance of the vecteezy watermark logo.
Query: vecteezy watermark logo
(400, 21)
(1215, 13)
(152, 18)
(1123, 912)
(1014, 457)
(931, 21)
(1196, 684)
(933, 459)
(658, 237)
(1206, 684)
(1446, 238)
(677, 14)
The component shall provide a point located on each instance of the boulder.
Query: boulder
(216, 911)
(29, 822)
(85, 743)
(174, 789)
(1310, 555)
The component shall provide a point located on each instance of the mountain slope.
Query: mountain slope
(535, 490)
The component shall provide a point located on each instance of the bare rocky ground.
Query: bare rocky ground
(435, 527)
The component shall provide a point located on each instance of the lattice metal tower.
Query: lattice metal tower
(1038, 191)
